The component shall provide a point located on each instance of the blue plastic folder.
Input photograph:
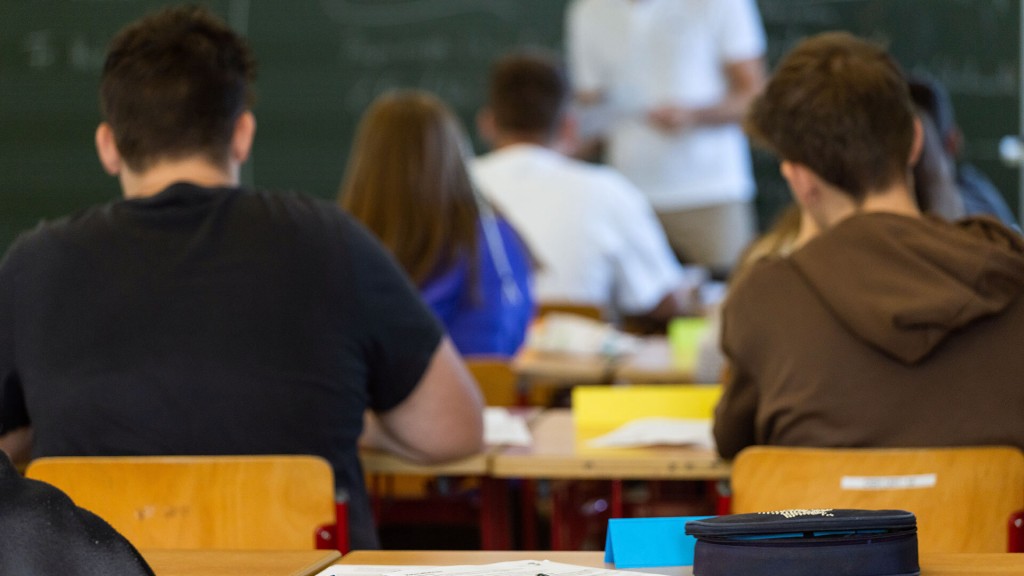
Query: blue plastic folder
(649, 542)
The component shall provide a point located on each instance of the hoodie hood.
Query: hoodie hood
(903, 284)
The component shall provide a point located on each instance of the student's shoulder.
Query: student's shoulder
(615, 189)
(758, 282)
(297, 207)
(599, 177)
(49, 232)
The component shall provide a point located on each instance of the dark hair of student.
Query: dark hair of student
(173, 85)
(528, 92)
(840, 106)
(931, 96)
(407, 182)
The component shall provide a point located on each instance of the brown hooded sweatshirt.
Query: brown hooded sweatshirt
(884, 331)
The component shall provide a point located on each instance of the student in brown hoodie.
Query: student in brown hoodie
(889, 328)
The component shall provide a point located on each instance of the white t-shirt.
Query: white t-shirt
(646, 53)
(595, 235)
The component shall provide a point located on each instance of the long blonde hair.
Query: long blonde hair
(407, 182)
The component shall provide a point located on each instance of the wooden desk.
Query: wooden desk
(931, 564)
(380, 462)
(494, 530)
(530, 365)
(652, 362)
(557, 453)
(247, 562)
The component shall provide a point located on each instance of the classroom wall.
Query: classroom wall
(323, 61)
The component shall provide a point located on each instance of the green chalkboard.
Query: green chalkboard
(323, 61)
(317, 80)
(320, 63)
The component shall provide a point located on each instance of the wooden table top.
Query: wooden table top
(652, 362)
(247, 562)
(557, 453)
(931, 564)
(563, 368)
(380, 462)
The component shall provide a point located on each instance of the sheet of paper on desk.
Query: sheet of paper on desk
(657, 432)
(516, 568)
(502, 428)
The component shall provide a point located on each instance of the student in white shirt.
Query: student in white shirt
(667, 82)
(595, 236)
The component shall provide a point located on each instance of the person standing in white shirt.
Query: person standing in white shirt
(594, 234)
(666, 82)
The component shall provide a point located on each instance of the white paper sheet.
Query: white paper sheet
(565, 333)
(516, 568)
(657, 432)
(502, 428)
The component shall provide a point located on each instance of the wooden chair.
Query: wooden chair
(206, 502)
(498, 383)
(962, 497)
(592, 311)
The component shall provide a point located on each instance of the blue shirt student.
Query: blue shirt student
(489, 316)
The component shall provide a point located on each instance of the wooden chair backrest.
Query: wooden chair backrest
(591, 311)
(201, 502)
(498, 383)
(962, 497)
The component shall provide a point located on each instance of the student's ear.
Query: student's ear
(811, 194)
(802, 182)
(241, 140)
(918, 144)
(567, 135)
(106, 149)
(486, 127)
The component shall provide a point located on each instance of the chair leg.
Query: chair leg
(341, 528)
(723, 497)
(494, 515)
(528, 514)
(1016, 535)
(334, 536)
(616, 504)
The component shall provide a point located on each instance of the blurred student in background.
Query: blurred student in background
(666, 83)
(935, 187)
(406, 182)
(594, 234)
(978, 194)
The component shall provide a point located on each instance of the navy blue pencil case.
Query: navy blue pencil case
(833, 542)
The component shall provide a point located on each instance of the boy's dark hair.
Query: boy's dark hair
(528, 92)
(840, 106)
(173, 85)
(932, 97)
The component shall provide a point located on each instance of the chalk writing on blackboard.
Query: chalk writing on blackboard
(386, 13)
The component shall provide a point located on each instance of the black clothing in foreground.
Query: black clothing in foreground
(45, 533)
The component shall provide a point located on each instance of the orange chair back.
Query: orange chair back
(962, 497)
(202, 502)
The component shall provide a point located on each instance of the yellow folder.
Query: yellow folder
(601, 409)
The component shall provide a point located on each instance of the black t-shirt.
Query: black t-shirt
(45, 533)
(209, 321)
